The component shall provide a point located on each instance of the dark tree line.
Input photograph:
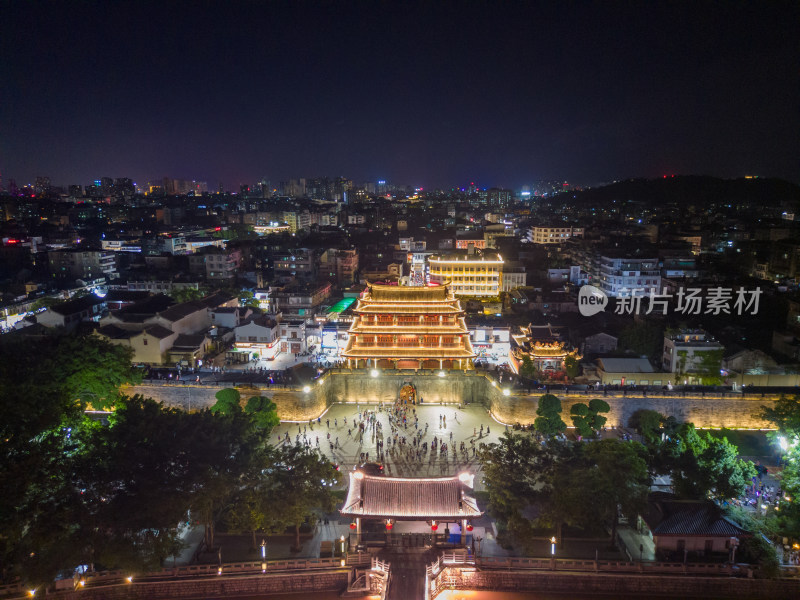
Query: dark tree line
(114, 492)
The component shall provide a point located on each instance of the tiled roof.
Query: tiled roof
(419, 308)
(409, 329)
(395, 293)
(115, 333)
(77, 305)
(408, 498)
(666, 515)
(625, 365)
(188, 342)
(182, 310)
(159, 332)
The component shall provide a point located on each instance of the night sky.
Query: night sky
(431, 94)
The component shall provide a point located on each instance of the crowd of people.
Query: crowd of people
(393, 435)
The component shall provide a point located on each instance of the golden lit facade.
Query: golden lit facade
(547, 349)
(468, 275)
(409, 327)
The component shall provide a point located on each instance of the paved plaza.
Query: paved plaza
(340, 422)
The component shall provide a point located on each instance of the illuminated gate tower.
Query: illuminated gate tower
(409, 327)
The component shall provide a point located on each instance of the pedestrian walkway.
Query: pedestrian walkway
(407, 566)
(639, 546)
(337, 436)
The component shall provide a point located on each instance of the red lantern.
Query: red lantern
(352, 525)
(469, 527)
(434, 527)
(389, 525)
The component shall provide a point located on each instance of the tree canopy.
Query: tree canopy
(548, 420)
(588, 418)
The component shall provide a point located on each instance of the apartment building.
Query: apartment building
(553, 235)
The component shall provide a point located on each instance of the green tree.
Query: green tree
(548, 421)
(46, 302)
(756, 549)
(264, 413)
(185, 294)
(228, 402)
(248, 298)
(615, 480)
(785, 414)
(301, 483)
(589, 419)
(647, 423)
(517, 471)
(571, 366)
(708, 467)
(527, 368)
(93, 369)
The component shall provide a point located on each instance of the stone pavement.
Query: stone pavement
(463, 424)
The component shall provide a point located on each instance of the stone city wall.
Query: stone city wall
(634, 586)
(456, 387)
(709, 412)
(293, 404)
(303, 582)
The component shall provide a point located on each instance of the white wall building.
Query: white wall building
(553, 235)
(619, 275)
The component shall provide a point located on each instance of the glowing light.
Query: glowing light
(506, 392)
(306, 388)
(374, 372)
(441, 373)
(129, 579)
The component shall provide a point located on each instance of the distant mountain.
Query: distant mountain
(696, 191)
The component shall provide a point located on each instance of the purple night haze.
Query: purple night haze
(428, 93)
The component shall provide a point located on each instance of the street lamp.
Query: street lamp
(263, 555)
(734, 543)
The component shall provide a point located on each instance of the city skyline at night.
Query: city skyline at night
(426, 95)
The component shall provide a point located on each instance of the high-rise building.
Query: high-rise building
(42, 186)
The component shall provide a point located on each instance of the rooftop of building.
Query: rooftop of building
(668, 515)
(398, 293)
(625, 365)
(410, 498)
(70, 307)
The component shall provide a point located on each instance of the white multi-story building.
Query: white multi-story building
(618, 276)
(553, 235)
(692, 351)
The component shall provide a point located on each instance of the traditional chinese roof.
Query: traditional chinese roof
(410, 498)
(395, 293)
(418, 353)
(668, 516)
(392, 300)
